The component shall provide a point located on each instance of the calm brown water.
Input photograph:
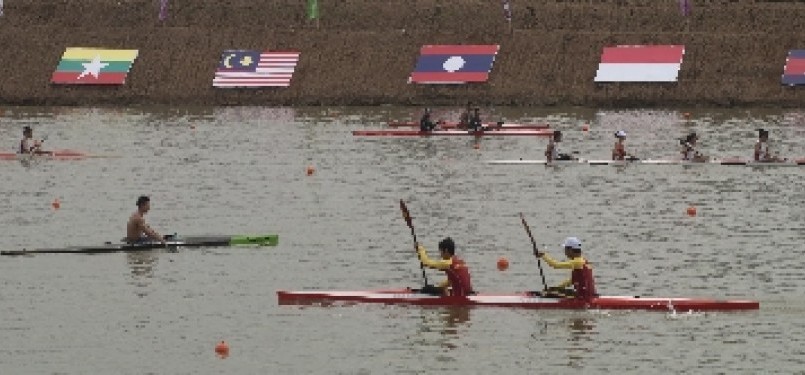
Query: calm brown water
(242, 170)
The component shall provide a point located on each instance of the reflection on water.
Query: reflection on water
(441, 327)
(142, 265)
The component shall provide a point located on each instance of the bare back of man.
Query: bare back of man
(136, 228)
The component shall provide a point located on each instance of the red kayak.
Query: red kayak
(454, 125)
(482, 133)
(522, 300)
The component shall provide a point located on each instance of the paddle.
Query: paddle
(407, 217)
(534, 246)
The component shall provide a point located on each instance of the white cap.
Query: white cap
(572, 242)
(620, 134)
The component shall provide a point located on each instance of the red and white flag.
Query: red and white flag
(247, 68)
(640, 63)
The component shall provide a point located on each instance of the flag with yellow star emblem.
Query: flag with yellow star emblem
(247, 68)
(94, 66)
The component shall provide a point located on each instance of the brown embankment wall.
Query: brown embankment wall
(364, 50)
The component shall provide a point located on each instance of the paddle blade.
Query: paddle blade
(405, 213)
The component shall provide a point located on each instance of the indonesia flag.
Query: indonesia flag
(640, 63)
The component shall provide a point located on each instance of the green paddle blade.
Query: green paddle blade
(260, 239)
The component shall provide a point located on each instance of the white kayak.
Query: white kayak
(731, 161)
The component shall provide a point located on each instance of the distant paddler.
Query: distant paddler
(426, 124)
(762, 151)
(137, 231)
(552, 151)
(475, 120)
(28, 145)
(464, 120)
(689, 151)
(619, 150)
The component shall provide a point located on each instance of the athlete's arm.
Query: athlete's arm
(440, 264)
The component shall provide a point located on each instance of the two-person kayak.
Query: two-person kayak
(576, 293)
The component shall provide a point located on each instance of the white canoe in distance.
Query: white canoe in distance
(728, 161)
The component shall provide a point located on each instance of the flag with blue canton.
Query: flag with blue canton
(239, 61)
(247, 68)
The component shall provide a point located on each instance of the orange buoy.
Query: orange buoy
(503, 264)
(56, 204)
(585, 127)
(692, 211)
(222, 349)
(310, 170)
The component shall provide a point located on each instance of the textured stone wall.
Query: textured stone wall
(364, 50)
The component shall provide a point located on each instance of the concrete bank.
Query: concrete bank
(364, 50)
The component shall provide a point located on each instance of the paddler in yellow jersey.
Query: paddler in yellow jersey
(458, 281)
(581, 274)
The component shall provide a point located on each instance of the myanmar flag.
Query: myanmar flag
(94, 66)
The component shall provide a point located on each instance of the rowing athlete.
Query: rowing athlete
(762, 153)
(689, 152)
(475, 120)
(464, 120)
(458, 281)
(619, 150)
(137, 231)
(28, 145)
(425, 123)
(581, 276)
(552, 151)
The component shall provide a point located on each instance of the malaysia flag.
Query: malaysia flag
(454, 64)
(248, 68)
(640, 63)
(794, 73)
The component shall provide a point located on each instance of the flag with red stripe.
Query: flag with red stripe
(248, 68)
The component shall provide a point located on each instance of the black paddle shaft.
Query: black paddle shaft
(534, 246)
(407, 217)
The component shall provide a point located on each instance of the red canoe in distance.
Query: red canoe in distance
(483, 133)
(454, 125)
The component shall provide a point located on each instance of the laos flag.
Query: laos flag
(794, 70)
(454, 64)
